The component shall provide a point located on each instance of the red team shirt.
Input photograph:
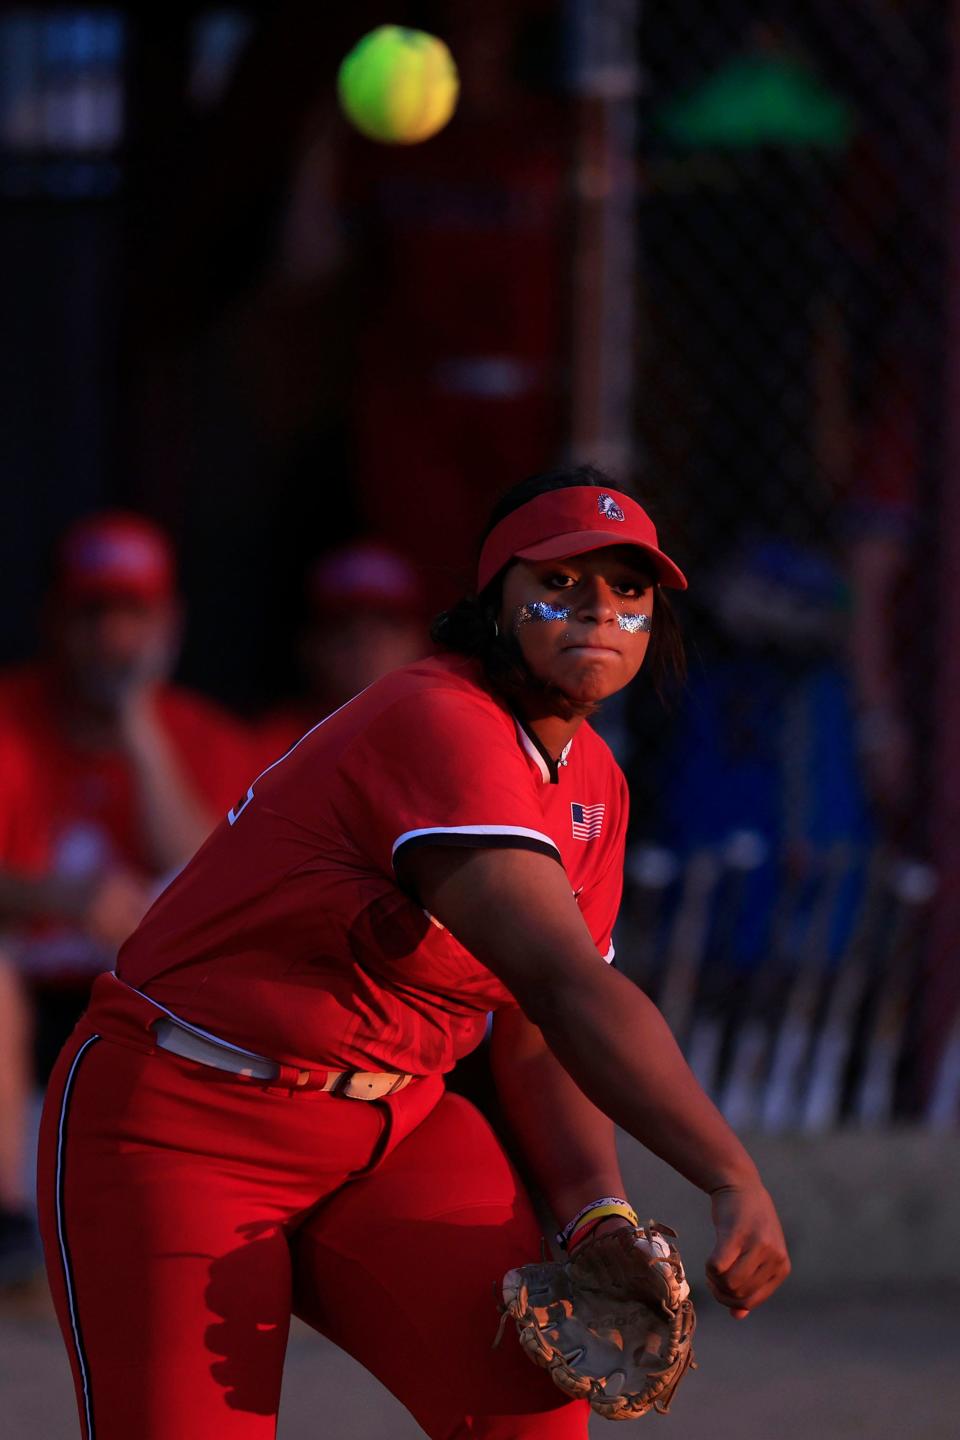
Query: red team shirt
(74, 811)
(288, 933)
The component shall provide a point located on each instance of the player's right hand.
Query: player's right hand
(749, 1260)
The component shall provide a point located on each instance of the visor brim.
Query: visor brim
(564, 547)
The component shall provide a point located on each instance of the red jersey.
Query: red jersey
(74, 811)
(288, 933)
(272, 734)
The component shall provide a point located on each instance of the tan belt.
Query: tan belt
(205, 1050)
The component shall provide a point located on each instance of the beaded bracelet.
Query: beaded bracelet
(591, 1215)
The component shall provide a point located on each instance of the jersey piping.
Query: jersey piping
(516, 837)
(235, 811)
(186, 1025)
(541, 757)
(62, 1243)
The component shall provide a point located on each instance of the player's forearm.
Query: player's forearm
(619, 1050)
(16, 1030)
(515, 913)
(568, 1145)
(174, 820)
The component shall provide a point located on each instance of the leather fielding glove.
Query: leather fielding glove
(613, 1323)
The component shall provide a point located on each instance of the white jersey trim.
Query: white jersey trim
(509, 831)
(235, 811)
(534, 754)
(186, 1025)
(611, 952)
(530, 748)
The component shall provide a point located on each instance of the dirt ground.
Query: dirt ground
(880, 1366)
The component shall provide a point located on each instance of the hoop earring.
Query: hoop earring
(496, 629)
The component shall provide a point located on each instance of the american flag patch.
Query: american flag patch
(587, 821)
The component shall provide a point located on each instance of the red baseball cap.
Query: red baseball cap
(561, 523)
(115, 555)
(367, 576)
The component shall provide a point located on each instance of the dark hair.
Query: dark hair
(469, 626)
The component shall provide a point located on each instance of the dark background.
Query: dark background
(706, 245)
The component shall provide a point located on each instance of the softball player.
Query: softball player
(251, 1121)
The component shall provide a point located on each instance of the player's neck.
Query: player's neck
(553, 732)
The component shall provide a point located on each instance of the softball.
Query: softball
(398, 86)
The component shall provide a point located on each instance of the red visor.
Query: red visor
(561, 523)
(115, 555)
(367, 577)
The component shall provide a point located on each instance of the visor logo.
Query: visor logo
(609, 508)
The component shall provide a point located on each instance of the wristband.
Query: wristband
(585, 1230)
(593, 1222)
(594, 1212)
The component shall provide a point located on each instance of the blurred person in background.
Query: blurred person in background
(755, 446)
(110, 777)
(464, 247)
(887, 613)
(366, 617)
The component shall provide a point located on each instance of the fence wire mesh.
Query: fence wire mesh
(717, 241)
(789, 359)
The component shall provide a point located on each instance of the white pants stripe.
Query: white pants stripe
(62, 1240)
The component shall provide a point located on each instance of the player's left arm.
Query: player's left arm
(542, 1103)
(539, 1098)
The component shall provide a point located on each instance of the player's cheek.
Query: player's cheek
(549, 640)
(536, 647)
(635, 656)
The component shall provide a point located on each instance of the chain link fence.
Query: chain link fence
(790, 354)
(756, 194)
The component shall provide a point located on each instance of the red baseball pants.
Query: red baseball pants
(186, 1212)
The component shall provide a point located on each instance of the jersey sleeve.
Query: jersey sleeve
(216, 751)
(600, 901)
(439, 769)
